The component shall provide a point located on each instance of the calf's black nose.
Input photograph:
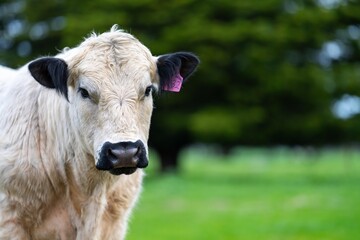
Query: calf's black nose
(122, 155)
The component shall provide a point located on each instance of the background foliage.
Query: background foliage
(272, 72)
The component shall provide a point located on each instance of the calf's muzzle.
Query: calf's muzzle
(122, 157)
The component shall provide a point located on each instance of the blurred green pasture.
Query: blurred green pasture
(257, 194)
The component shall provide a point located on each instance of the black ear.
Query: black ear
(174, 68)
(51, 73)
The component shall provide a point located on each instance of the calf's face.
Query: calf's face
(109, 83)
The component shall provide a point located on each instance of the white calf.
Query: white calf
(72, 147)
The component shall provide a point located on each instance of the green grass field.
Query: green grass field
(253, 194)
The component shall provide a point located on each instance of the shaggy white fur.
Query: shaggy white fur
(49, 186)
(49, 146)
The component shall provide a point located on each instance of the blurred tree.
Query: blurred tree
(27, 32)
(271, 70)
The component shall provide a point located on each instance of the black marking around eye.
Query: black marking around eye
(84, 93)
(148, 90)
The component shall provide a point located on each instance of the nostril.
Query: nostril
(138, 152)
(110, 154)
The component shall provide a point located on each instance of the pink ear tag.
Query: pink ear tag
(175, 84)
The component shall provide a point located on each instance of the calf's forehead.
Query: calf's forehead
(112, 58)
(133, 73)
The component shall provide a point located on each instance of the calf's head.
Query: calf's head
(108, 81)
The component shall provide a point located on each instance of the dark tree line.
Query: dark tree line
(271, 70)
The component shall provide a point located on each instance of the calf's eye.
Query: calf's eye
(148, 90)
(84, 93)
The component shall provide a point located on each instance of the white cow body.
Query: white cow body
(55, 181)
(63, 187)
